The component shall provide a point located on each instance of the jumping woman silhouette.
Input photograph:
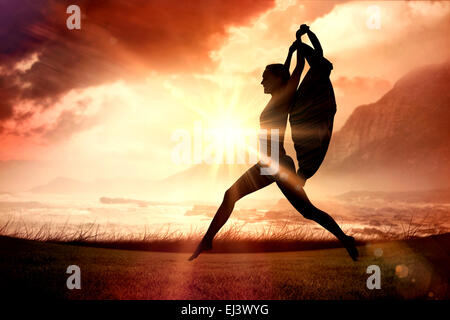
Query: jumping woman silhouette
(311, 112)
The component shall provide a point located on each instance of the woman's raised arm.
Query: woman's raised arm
(292, 48)
(315, 42)
(293, 81)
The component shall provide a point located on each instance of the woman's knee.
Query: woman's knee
(230, 196)
(309, 212)
(306, 209)
(287, 163)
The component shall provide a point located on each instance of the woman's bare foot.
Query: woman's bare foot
(203, 246)
(351, 248)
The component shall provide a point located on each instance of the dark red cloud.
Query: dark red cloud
(8, 93)
(118, 39)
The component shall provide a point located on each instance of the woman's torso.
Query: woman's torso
(274, 117)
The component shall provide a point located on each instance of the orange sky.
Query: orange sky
(104, 101)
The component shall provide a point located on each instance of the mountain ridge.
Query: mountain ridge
(406, 130)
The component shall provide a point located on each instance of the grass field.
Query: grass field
(410, 269)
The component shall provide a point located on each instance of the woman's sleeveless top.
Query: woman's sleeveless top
(274, 116)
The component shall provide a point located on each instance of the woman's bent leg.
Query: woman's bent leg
(249, 182)
(292, 189)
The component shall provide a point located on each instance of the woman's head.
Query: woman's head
(275, 76)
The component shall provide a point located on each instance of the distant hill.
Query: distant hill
(432, 196)
(140, 203)
(20, 175)
(62, 185)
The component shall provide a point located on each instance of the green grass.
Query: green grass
(36, 269)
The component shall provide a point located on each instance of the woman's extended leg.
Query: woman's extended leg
(292, 187)
(249, 182)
